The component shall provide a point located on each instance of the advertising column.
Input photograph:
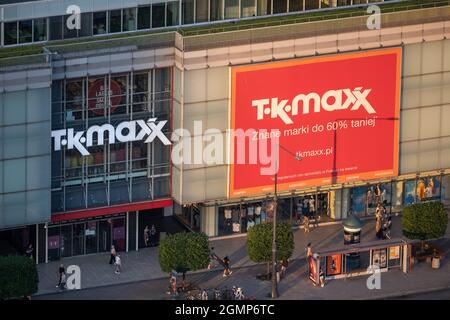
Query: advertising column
(339, 114)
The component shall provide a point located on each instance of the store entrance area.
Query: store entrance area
(162, 227)
(238, 218)
(87, 237)
(16, 241)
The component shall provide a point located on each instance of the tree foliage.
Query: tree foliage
(184, 252)
(424, 221)
(259, 242)
(18, 277)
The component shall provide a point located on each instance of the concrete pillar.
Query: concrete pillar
(208, 217)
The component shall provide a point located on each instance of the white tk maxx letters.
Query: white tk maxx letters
(280, 108)
(76, 139)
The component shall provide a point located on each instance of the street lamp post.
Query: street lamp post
(274, 239)
(274, 217)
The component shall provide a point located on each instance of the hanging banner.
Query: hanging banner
(339, 114)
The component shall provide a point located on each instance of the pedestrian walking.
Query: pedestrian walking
(61, 272)
(308, 249)
(29, 251)
(112, 259)
(153, 236)
(212, 257)
(146, 236)
(63, 281)
(284, 265)
(118, 264)
(306, 224)
(316, 220)
(378, 227)
(173, 283)
(321, 278)
(227, 271)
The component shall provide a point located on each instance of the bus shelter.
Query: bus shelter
(360, 259)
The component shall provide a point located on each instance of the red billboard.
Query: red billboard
(339, 114)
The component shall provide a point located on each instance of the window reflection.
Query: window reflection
(158, 15)
(99, 26)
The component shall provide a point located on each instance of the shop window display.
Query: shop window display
(422, 189)
(239, 218)
(364, 200)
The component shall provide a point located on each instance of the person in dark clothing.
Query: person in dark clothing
(227, 271)
(29, 252)
(113, 255)
(61, 272)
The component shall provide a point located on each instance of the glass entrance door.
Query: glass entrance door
(104, 234)
(78, 239)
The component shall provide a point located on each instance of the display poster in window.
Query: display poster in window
(394, 253)
(379, 258)
(91, 228)
(334, 265)
(97, 95)
(53, 242)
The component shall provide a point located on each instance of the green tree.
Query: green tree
(259, 242)
(424, 221)
(184, 252)
(18, 277)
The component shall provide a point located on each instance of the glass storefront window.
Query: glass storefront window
(66, 241)
(158, 15)
(119, 192)
(53, 243)
(264, 7)
(201, 11)
(144, 17)
(97, 195)
(84, 103)
(118, 158)
(86, 25)
(312, 4)
(295, 5)
(91, 237)
(78, 239)
(141, 101)
(216, 10)
(115, 21)
(172, 13)
(25, 31)
(55, 28)
(187, 11)
(248, 8)
(428, 188)
(139, 154)
(99, 25)
(279, 6)
(10, 33)
(97, 97)
(118, 94)
(231, 9)
(409, 192)
(129, 19)
(364, 200)
(341, 3)
(40, 30)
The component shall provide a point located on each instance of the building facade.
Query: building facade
(81, 171)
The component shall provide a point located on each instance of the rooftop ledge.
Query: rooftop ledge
(250, 30)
